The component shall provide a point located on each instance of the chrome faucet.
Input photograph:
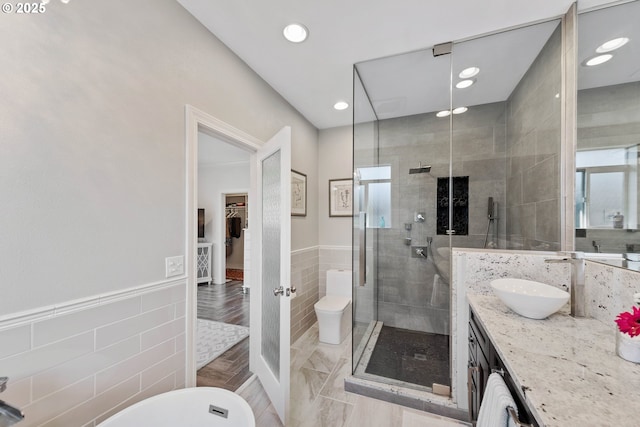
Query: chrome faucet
(8, 414)
(576, 288)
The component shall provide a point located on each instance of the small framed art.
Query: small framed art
(298, 193)
(341, 197)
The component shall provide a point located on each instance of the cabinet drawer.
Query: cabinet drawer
(478, 332)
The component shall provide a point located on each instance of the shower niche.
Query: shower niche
(459, 200)
(471, 165)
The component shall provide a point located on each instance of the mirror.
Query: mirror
(608, 134)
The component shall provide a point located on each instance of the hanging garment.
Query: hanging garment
(235, 227)
(227, 240)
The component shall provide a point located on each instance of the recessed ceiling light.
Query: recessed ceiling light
(597, 60)
(443, 113)
(465, 83)
(341, 105)
(469, 72)
(459, 110)
(612, 45)
(295, 33)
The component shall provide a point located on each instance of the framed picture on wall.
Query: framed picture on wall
(341, 197)
(298, 193)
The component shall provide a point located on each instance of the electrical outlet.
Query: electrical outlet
(174, 266)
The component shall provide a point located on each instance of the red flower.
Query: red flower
(629, 322)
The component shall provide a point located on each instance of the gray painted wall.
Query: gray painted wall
(335, 159)
(92, 160)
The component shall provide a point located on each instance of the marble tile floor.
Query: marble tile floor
(318, 398)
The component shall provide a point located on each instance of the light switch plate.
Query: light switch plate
(174, 266)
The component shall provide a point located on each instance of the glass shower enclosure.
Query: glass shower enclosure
(437, 165)
(402, 299)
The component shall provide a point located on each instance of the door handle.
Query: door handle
(362, 253)
(278, 291)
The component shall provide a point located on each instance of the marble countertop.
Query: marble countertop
(567, 367)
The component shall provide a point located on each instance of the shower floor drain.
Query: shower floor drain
(419, 356)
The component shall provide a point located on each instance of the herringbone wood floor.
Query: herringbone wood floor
(225, 303)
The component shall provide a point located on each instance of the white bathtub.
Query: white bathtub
(189, 407)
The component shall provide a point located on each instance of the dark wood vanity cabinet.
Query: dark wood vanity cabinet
(483, 358)
(480, 352)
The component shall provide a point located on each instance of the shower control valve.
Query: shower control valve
(419, 217)
(418, 252)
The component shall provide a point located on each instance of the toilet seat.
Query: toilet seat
(332, 303)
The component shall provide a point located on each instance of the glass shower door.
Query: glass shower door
(364, 139)
(401, 149)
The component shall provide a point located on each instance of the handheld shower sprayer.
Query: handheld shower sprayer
(492, 217)
(490, 208)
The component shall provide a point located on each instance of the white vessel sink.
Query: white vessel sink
(530, 299)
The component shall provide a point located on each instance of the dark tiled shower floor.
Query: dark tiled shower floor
(410, 356)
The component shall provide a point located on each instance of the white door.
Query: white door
(271, 244)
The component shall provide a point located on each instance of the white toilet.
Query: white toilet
(334, 309)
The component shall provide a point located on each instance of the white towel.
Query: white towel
(493, 409)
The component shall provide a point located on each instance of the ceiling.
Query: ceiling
(315, 74)
(607, 24)
(213, 152)
(417, 82)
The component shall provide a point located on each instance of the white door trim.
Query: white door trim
(196, 120)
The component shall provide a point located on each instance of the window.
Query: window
(606, 187)
(374, 192)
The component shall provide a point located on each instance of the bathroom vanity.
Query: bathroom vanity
(484, 360)
(562, 371)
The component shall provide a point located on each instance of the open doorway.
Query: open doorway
(236, 237)
(270, 278)
(222, 329)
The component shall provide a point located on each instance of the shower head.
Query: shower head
(420, 169)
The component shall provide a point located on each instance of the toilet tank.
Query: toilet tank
(339, 282)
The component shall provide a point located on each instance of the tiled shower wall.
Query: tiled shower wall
(80, 363)
(533, 153)
(304, 276)
(409, 294)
